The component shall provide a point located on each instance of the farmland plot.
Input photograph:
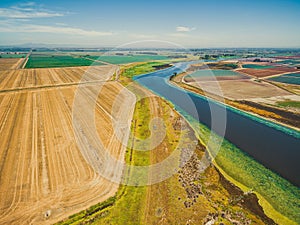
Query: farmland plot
(44, 174)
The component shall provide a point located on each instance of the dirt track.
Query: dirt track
(44, 176)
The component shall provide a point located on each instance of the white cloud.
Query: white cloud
(184, 29)
(27, 11)
(142, 36)
(178, 35)
(32, 28)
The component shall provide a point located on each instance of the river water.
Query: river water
(274, 146)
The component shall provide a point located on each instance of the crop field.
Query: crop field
(44, 173)
(256, 66)
(57, 60)
(292, 78)
(15, 56)
(115, 59)
(10, 63)
(211, 75)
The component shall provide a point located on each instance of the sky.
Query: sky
(190, 23)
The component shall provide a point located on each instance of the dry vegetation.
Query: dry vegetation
(37, 78)
(44, 176)
(10, 63)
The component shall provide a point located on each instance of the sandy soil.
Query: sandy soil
(44, 174)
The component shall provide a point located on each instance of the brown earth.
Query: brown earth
(260, 72)
(284, 69)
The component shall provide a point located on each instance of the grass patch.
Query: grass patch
(292, 104)
(89, 214)
(222, 66)
(139, 69)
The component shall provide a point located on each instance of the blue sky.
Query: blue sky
(198, 23)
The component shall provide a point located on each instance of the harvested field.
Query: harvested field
(44, 173)
(29, 78)
(242, 89)
(10, 63)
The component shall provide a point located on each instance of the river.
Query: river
(274, 146)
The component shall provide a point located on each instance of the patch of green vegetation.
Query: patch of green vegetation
(6, 56)
(222, 66)
(292, 104)
(282, 195)
(53, 60)
(116, 59)
(141, 69)
(89, 214)
(257, 66)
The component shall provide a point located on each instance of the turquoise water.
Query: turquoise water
(292, 78)
(217, 73)
(256, 66)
